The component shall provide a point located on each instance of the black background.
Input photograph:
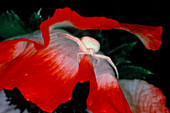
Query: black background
(145, 12)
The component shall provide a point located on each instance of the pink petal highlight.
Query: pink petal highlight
(10, 52)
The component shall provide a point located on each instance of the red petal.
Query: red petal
(143, 97)
(74, 19)
(45, 77)
(78, 21)
(107, 97)
(105, 94)
(14, 49)
(149, 35)
(16, 45)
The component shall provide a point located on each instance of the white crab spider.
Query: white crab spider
(89, 46)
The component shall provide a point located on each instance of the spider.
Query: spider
(90, 46)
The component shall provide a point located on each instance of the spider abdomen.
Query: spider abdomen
(91, 43)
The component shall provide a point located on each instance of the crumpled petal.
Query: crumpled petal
(45, 77)
(105, 94)
(149, 35)
(143, 97)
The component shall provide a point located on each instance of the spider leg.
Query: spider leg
(98, 59)
(75, 39)
(109, 60)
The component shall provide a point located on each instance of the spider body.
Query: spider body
(89, 46)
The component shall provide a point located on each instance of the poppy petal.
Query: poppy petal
(45, 77)
(105, 94)
(67, 18)
(14, 46)
(14, 49)
(143, 97)
(149, 35)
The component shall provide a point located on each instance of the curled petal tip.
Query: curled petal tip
(149, 35)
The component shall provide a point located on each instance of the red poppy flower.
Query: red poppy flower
(45, 69)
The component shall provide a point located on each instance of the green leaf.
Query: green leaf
(120, 53)
(133, 72)
(123, 50)
(35, 21)
(11, 25)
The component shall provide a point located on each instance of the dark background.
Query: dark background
(145, 12)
